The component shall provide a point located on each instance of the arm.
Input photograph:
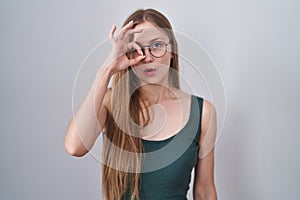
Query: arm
(204, 186)
(84, 127)
(89, 119)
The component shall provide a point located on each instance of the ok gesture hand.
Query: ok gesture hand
(121, 44)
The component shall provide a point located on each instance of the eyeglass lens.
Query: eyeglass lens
(157, 49)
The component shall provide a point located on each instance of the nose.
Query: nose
(148, 55)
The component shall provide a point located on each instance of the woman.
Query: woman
(146, 154)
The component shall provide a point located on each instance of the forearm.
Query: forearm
(84, 126)
(210, 194)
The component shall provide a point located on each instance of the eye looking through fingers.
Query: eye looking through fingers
(157, 49)
(134, 50)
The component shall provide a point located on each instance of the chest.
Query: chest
(167, 120)
(167, 171)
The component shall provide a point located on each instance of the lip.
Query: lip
(152, 72)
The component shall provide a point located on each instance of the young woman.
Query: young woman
(154, 133)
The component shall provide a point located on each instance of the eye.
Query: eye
(131, 50)
(157, 45)
(132, 53)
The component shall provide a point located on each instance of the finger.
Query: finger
(127, 26)
(131, 32)
(136, 60)
(112, 31)
(133, 45)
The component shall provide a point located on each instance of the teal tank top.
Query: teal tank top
(167, 164)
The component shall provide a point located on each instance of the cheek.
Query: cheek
(137, 70)
(166, 60)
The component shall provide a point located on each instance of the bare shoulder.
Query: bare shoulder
(208, 128)
(208, 114)
(208, 107)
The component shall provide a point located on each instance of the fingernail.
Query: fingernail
(130, 22)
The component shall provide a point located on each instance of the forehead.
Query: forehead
(150, 32)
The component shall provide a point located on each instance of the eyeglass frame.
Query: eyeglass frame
(148, 46)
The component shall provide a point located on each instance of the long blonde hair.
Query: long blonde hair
(122, 147)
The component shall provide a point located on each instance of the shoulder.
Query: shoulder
(208, 123)
(208, 114)
(208, 111)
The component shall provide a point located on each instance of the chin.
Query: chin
(154, 80)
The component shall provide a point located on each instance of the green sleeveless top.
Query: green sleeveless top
(167, 164)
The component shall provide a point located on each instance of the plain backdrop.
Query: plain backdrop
(255, 45)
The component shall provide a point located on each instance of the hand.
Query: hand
(121, 45)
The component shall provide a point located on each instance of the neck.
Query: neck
(156, 93)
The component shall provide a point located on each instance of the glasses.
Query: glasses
(157, 49)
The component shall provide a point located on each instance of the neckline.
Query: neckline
(188, 121)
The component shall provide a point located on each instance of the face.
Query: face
(154, 68)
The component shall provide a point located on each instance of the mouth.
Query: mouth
(150, 71)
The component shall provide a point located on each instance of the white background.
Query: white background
(255, 45)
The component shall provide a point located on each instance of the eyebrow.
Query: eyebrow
(156, 39)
